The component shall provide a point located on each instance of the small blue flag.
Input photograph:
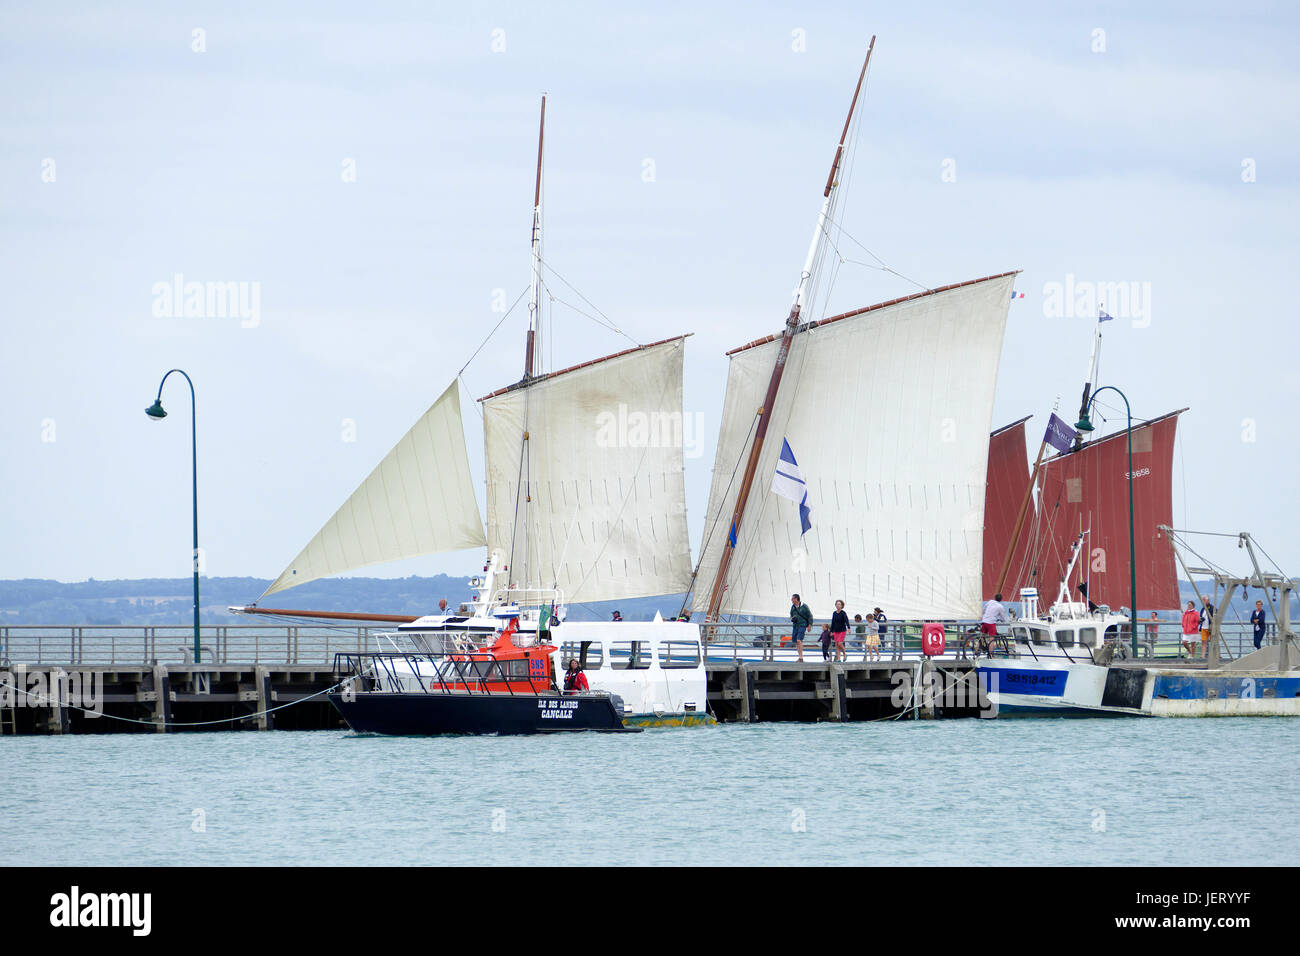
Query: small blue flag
(731, 536)
(1103, 317)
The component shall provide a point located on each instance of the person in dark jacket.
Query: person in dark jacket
(800, 620)
(1259, 622)
(825, 641)
(840, 630)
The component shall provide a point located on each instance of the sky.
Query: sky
(366, 171)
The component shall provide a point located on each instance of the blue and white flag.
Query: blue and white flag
(1059, 435)
(788, 483)
(1103, 317)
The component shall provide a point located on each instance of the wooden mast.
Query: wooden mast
(1020, 518)
(534, 316)
(778, 369)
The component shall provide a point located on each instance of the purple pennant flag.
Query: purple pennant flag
(1059, 435)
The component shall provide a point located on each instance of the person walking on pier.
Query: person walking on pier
(1191, 624)
(800, 620)
(839, 631)
(1257, 620)
(882, 623)
(871, 647)
(860, 634)
(825, 642)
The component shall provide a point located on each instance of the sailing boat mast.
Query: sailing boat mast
(778, 369)
(1091, 383)
(534, 344)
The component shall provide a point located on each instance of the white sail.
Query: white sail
(593, 501)
(418, 500)
(887, 411)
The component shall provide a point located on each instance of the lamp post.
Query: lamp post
(1085, 425)
(156, 413)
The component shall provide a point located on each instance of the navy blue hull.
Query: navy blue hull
(420, 714)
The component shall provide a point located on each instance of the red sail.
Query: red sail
(1008, 478)
(1088, 490)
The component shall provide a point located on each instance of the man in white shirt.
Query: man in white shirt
(994, 614)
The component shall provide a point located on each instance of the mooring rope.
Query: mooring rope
(196, 723)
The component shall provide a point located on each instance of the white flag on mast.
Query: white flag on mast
(788, 483)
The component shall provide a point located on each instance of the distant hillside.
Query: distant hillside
(158, 601)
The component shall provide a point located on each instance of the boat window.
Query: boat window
(1021, 634)
(629, 655)
(1088, 636)
(1065, 637)
(1112, 632)
(1041, 635)
(679, 654)
(592, 649)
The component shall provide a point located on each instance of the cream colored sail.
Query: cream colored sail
(418, 500)
(887, 412)
(593, 500)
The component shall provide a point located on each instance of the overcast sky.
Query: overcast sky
(1096, 143)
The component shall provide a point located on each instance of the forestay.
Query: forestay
(585, 489)
(888, 410)
(418, 500)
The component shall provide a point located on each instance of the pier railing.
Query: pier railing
(902, 640)
(106, 645)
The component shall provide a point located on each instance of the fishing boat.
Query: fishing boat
(1080, 657)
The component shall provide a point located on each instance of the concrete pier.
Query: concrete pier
(753, 691)
(163, 698)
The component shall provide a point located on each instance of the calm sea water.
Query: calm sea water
(1158, 792)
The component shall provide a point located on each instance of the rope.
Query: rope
(198, 723)
(579, 294)
(492, 333)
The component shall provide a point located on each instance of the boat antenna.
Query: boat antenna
(783, 352)
(534, 344)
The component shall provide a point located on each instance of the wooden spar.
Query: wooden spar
(839, 150)
(534, 316)
(1020, 518)
(330, 615)
(778, 369)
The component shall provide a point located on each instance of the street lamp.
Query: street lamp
(157, 414)
(1085, 425)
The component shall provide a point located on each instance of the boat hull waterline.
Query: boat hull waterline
(406, 714)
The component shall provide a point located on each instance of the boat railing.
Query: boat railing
(470, 672)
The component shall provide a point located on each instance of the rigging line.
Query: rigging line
(579, 294)
(883, 265)
(470, 395)
(493, 332)
(601, 322)
(709, 532)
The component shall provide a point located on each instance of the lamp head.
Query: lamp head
(1084, 424)
(155, 411)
